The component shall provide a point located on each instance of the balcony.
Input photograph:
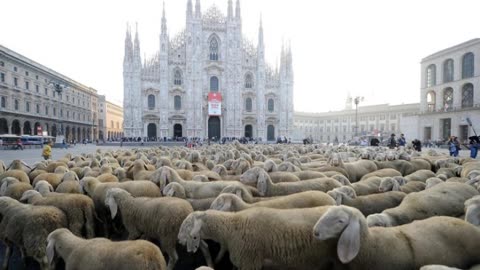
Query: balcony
(450, 109)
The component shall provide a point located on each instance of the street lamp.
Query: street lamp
(356, 100)
(59, 88)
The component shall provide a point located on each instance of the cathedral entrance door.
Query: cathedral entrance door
(214, 127)
(270, 133)
(152, 131)
(177, 130)
(248, 131)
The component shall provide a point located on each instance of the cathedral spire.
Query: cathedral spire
(198, 12)
(164, 21)
(237, 10)
(189, 9)
(136, 49)
(128, 46)
(260, 32)
(230, 9)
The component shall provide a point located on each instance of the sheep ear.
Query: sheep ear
(349, 243)
(145, 167)
(50, 188)
(239, 193)
(396, 185)
(51, 251)
(227, 204)
(171, 193)
(112, 204)
(262, 184)
(3, 189)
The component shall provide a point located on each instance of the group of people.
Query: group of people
(402, 142)
(454, 146)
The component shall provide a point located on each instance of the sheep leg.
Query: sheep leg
(220, 254)
(172, 259)
(206, 253)
(6, 259)
(43, 261)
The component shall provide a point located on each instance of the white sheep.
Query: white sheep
(103, 254)
(266, 187)
(472, 210)
(455, 242)
(367, 204)
(445, 199)
(398, 183)
(78, 208)
(174, 189)
(13, 188)
(154, 218)
(232, 203)
(254, 237)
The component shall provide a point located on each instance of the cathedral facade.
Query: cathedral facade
(207, 81)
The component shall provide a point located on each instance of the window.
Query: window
(36, 77)
(61, 112)
(46, 110)
(248, 105)
(26, 73)
(2, 64)
(467, 96)
(27, 85)
(271, 105)
(46, 91)
(248, 81)
(2, 77)
(3, 102)
(431, 75)
(73, 115)
(16, 105)
(177, 80)
(214, 84)
(15, 81)
(448, 71)
(213, 49)
(68, 114)
(467, 65)
(177, 102)
(54, 111)
(448, 99)
(37, 88)
(15, 69)
(431, 101)
(151, 102)
(38, 108)
(27, 106)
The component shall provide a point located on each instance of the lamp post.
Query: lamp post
(356, 100)
(59, 88)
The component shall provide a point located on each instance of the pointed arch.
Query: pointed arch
(248, 104)
(151, 102)
(214, 47)
(248, 81)
(177, 77)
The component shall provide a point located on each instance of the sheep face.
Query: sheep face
(174, 190)
(189, 233)
(342, 179)
(222, 203)
(336, 195)
(250, 177)
(43, 187)
(388, 184)
(432, 182)
(340, 221)
(335, 160)
(379, 220)
(262, 184)
(27, 195)
(70, 176)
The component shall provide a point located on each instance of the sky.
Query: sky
(368, 48)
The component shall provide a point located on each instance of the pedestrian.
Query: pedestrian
(392, 143)
(47, 151)
(417, 145)
(453, 146)
(64, 144)
(374, 141)
(121, 143)
(474, 145)
(19, 144)
(402, 141)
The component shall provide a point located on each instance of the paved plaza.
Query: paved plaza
(31, 156)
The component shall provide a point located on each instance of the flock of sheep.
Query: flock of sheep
(244, 206)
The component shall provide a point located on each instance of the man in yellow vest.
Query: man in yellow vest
(47, 151)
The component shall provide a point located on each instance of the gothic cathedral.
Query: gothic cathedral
(207, 81)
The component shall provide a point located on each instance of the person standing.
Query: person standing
(392, 142)
(374, 141)
(474, 145)
(402, 141)
(47, 151)
(453, 146)
(417, 145)
(19, 144)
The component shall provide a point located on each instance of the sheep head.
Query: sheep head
(432, 181)
(270, 166)
(7, 181)
(43, 187)
(379, 220)
(336, 195)
(29, 195)
(70, 176)
(388, 184)
(174, 189)
(342, 222)
(472, 210)
(110, 201)
(223, 202)
(190, 231)
(3, 168)
(335, 160)
(342, 179)
(51, 241)
(250, 177)
(220, 169)
(262, 183)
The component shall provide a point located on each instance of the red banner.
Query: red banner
(214, 103)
